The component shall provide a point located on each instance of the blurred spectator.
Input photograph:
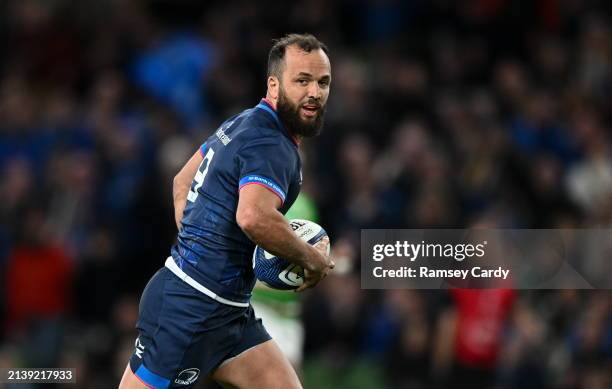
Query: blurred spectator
(476, 343)
(38, 278)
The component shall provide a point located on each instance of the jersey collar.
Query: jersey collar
(267, 106)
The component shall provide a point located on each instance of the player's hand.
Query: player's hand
(323, 264)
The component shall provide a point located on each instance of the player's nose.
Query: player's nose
(314, 91)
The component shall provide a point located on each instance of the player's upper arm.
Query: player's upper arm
(268, 162)
(255, 203)
(267, 166)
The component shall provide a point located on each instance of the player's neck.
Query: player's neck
(272, 103)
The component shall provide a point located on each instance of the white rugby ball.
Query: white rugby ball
(279, 273)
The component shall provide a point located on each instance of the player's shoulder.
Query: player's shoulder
(265, 136)
(253, 132)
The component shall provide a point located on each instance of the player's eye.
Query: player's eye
(324, 83)
(303, 81)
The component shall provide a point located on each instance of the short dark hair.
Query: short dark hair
(306, 42)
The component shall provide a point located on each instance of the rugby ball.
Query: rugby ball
(278, 273)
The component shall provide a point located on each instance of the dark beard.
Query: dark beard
(290, 116)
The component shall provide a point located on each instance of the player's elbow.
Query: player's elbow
(177, 180)
(249, 220)
(179, 183)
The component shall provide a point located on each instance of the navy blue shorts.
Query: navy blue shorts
(184, 334)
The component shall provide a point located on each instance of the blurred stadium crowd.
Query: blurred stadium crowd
(442, 114)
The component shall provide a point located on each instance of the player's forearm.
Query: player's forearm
(179, 195)
(181, 185)
(271, 231)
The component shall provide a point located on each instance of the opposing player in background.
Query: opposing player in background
(195, 317)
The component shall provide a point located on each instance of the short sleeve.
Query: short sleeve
(268, 162)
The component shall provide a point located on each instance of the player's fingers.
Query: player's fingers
(310, 281)
(325, 273)
(305, 285)
(323, 243)
(332, 264)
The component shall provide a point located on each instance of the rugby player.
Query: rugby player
(195, 318)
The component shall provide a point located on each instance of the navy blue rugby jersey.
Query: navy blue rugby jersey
(252, 148)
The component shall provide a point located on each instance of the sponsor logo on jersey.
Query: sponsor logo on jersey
(222, 136)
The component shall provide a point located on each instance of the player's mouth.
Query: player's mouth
(310, 110)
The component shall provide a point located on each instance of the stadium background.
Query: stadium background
(442, 114)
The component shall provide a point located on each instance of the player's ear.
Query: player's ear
(273, 86)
